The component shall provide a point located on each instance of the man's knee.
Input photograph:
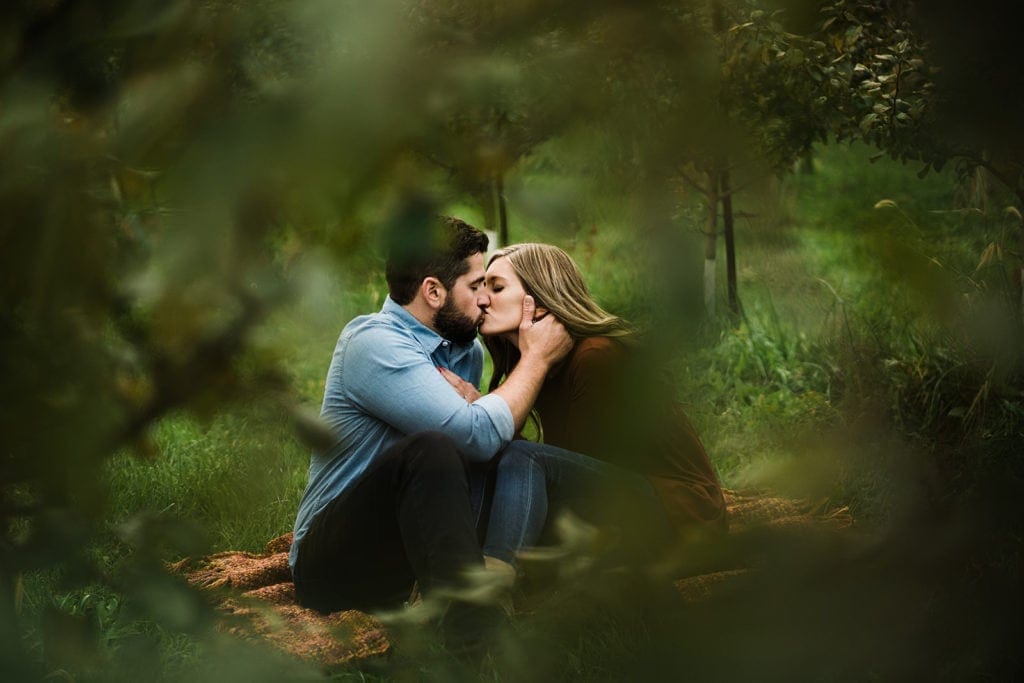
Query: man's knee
(430, 442)
(430, 450)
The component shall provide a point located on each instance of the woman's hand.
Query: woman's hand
(464, 388)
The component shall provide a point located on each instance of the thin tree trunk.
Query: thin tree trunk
(711, 242)
(730, 243)
(1016, 209)
(806, 163)
(978, 185)
(711, 225)
(499, 184)
(1020, 256)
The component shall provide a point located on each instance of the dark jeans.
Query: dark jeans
(409, 518)
(535, 481)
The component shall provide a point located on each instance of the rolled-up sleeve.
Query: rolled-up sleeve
(388, 374)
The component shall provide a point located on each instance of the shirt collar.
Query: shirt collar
(430, 340)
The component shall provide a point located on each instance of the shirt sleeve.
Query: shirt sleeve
(388, 374)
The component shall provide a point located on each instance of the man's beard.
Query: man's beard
(453, 325)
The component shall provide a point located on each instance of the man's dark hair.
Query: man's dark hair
(440, 253)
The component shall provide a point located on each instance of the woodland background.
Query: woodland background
(813, 209)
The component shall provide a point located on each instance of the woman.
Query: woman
(600, 400)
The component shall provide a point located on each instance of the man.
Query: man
(390, 502)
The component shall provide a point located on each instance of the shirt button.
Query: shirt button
(444, 343)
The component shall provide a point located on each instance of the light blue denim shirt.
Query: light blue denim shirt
(382, 385)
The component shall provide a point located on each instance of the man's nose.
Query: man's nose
(483, 299)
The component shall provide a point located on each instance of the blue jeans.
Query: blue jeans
(534, 482)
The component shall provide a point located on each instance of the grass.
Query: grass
(850, 367)
(243, 470)
(854, 325)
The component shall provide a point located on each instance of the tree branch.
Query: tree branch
(692, 182)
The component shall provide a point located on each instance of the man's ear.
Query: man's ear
(540, 312)
(433, 292)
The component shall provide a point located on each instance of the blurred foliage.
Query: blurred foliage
(181, 179)
(898, 75)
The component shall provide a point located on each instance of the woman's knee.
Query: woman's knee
(518, 457)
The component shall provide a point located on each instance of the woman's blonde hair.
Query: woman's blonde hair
(554, 281)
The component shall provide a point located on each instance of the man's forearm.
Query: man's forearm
(521, 387)
(543, 341)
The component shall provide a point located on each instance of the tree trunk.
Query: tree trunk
(806, 163)
(730, 243)
(1020, 257)
(977, 186)
(499, 186)
(711, 242)
(711, 222)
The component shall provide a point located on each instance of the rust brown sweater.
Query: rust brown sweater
(601, 402)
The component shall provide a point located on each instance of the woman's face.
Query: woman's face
(505, 291)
